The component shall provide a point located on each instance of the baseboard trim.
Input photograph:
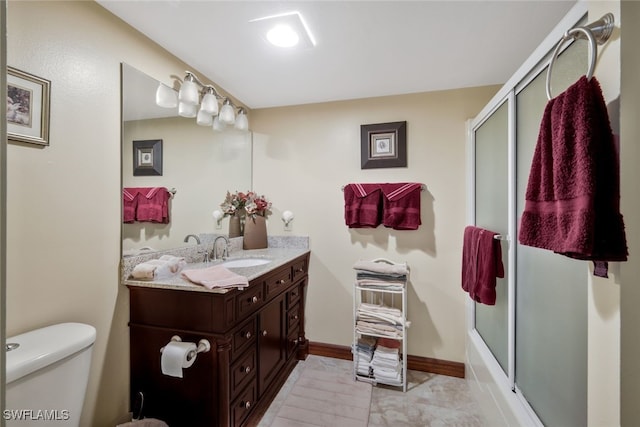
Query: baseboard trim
(416, 363)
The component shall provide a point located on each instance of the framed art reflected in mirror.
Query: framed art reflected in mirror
(147, 157)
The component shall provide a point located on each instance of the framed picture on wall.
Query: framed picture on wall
(383, 145)
(27, 107)
(147, 157)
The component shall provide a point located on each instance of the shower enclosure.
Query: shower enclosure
(534, 338)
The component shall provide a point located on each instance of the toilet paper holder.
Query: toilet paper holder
(203, 347)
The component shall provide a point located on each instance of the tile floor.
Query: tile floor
(430, 400)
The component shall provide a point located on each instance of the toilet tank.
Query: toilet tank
(47, 375)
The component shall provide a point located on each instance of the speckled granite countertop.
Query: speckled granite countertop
(278, 257)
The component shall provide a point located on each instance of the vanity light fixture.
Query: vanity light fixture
(195, 99)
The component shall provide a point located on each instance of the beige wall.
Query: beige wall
(305, 154)
(63, 201)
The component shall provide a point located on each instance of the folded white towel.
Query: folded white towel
(216, 277)
(381, 267)
(176, 263)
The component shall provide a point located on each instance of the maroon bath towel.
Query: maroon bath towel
(146, 204)
(362, 205)
(401, 205)
(572, 204)
(481, 264)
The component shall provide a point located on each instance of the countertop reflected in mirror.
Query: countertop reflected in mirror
(199, 163)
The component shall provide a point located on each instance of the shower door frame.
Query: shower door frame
(502, 396)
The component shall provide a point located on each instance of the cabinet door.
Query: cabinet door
(272, 342)
(191, 400)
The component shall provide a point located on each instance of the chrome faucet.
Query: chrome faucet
(225, 251)
(186, 239)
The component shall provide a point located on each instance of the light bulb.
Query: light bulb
(187, 110)
(166, 97)
(210, 103)
(282, 36)
(203, 118)
(188, 93)
(227, 115)
(242, 123)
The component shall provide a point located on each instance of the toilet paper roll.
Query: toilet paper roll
(175, 358)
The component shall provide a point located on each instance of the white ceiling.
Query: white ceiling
(364, 48)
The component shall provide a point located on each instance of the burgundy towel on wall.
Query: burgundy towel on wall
(401, 205)
(572, 202)
(481, 264)
(149, 204)
(362, 205)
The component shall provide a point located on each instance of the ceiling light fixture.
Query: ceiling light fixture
(286, 30)
(193, 94)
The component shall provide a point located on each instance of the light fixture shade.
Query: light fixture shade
(187, 110)
(209, 104)
(218, 125)
(227, 115)
(166, 97)
(203, 118)
(189, 93)
(242, 122)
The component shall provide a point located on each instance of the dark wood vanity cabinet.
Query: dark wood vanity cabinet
(256, 336)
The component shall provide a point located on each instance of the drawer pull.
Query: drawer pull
(300, 270)
(245, 405)
(254, 299)
(264, 333)
(281, 282)
(247, 369)
(247, 335)
(295, 317)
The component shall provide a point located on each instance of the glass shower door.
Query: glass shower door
(551, 289)
(491, 213)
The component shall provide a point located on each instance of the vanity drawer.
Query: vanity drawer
(243, 337)
(241, 407)
(243, 371)
(293, 296)
(292, 342)
(293, 318)
(299, 269)
(278, 282)
(249, 300)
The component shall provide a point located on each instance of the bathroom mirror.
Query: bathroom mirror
(197, 162)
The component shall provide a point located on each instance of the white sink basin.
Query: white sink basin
(245, 262)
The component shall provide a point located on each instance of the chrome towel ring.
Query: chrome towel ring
(597, 32)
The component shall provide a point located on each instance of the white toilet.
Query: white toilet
(47, 375)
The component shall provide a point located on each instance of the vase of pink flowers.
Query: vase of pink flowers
(233, 207)
(255, 225)
(247, 212)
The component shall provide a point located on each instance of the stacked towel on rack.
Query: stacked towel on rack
(381, 275)
(154, 269)
(145, 204)
(380, 320)
(218, 277)
(363, 355)
(395, 205)
(572, 202)
(386, 365)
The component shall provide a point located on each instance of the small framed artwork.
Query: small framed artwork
(27, 107)
(383, 145)
(147, 157)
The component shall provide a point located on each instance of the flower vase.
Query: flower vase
(235, 229)
(255, 233)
